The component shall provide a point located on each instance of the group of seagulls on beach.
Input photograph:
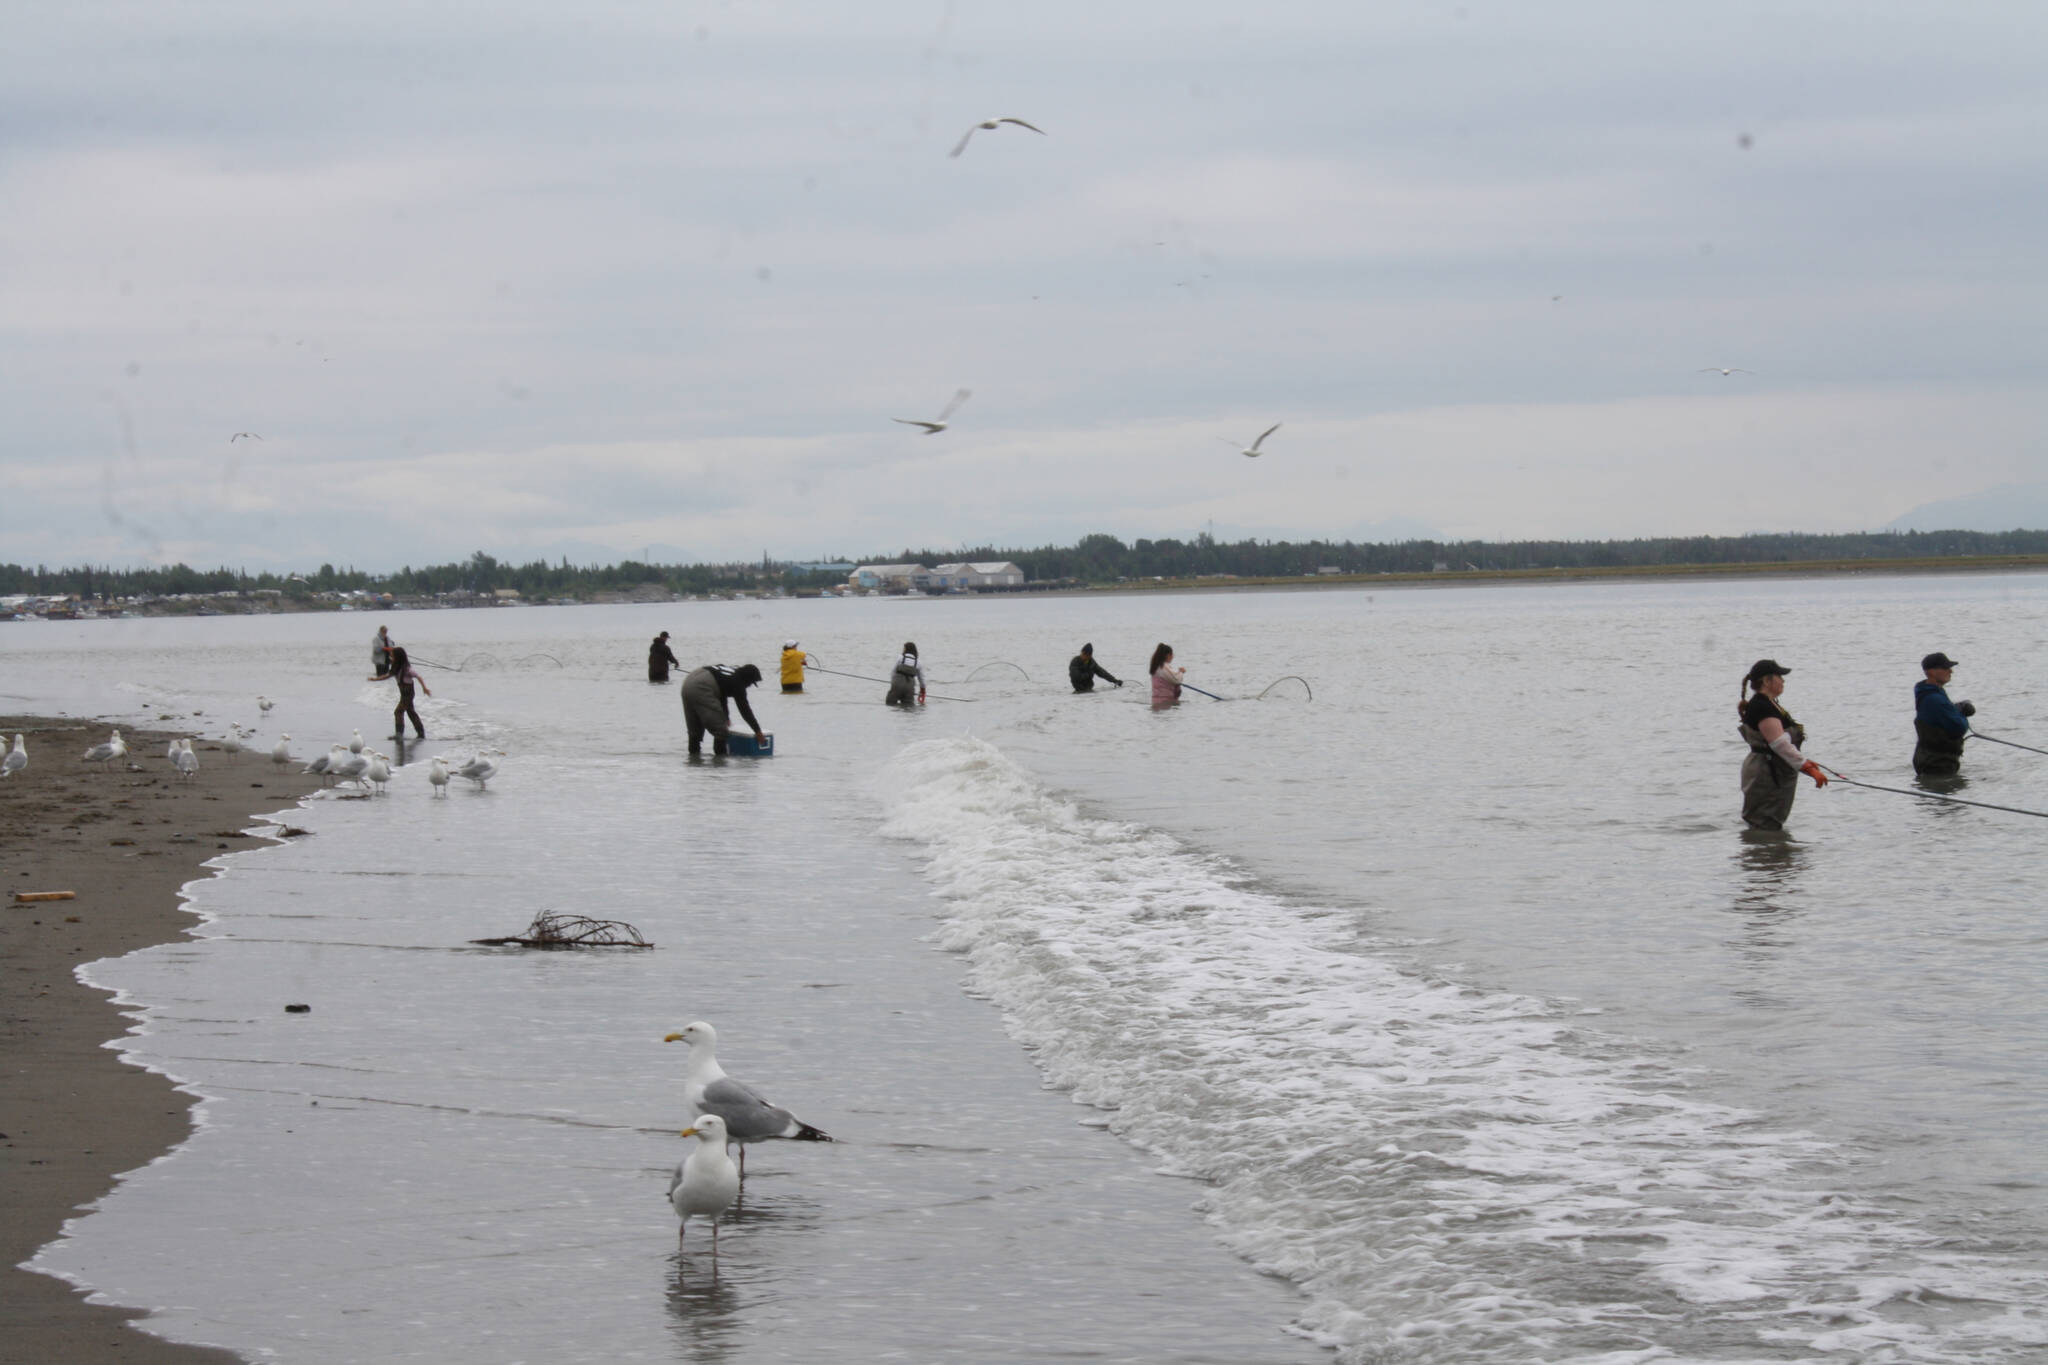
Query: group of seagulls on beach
(353, 762)
(727, 1112)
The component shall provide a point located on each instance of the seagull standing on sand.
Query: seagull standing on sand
(705, 1182)
(379, 770)
(105, 752)
(708, 1090)
(281, 752)
(16, 760)
(264, 704)
(990, 126)
(438, 775)
(187, 761)
(1253, 450)
(355, 746)
(934, 428)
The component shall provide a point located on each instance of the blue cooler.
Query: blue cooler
(742, 745)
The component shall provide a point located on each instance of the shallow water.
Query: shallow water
(1454, 1000)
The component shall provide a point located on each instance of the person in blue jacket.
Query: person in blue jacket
(1940, 723)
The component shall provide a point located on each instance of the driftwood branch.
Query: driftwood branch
(552, 929)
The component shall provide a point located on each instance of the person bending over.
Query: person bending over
(1082, 671)
(707, 694)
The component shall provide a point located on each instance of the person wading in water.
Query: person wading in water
(1770, 775)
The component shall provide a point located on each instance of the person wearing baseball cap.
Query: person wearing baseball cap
(1940, 724)
(793, 660)
(1770, 775)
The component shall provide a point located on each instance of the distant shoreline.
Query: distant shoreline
(645, 596)
(1616, 573)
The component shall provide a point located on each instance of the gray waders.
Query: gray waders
(1768, 782)
(704, 709)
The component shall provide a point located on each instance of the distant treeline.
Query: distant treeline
(1102, 558)
(1094, 559)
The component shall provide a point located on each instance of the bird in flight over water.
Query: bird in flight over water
(934, 428)
(1252, 450)
(240, 434)
(989, 124)
(1724, 370)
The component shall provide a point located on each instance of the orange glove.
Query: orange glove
(1812, 770)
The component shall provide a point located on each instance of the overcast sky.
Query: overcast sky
(605, 279)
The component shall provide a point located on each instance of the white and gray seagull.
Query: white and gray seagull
(705, 1182)
(106, 751)
(989, 125)
(1723, 370)
(1251, 450)
(16, 760)
(934, 428)
(748, 1117)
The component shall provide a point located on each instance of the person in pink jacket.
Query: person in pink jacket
(1165, 678)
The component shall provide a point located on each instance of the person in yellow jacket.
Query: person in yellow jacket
(793, 658)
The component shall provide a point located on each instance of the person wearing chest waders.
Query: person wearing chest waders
(706, 693)
(906, 679)
(1770, 775)
(1940, 724)
(660, 659)
(1166, 679)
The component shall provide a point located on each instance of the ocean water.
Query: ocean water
(1433, 1008)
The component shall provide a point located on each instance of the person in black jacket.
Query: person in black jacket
(706, 693)
(1082, 671)
(660, 659)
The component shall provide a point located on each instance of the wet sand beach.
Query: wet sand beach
(75, 1115)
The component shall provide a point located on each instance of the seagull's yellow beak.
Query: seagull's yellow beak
(673, 1038)
(689, 1132)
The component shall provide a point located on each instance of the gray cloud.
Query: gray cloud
(548, 276)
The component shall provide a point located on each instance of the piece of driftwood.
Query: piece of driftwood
(552, 929)
(27, 897)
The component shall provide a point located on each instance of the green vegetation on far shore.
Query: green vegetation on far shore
(1093, 561)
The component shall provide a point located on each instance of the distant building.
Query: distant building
(977, 577)
(890, 577)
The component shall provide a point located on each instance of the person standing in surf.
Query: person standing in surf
(660, 659)
(1770, 775)
(793, 659)
(380, 654)
(1166, 678)
(1941, 725)
(906, 679)
(402, 673)
(1082, 671)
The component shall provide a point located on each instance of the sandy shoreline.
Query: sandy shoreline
(73, 1115)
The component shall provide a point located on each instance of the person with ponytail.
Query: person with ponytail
(1770, 775)
(1165, 678)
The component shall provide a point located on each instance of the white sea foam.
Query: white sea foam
(1449, 1173)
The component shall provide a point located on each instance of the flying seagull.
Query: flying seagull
(934, 428)
(1724, 370)
(990, 125)
(1253, 450)
(240, 434)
